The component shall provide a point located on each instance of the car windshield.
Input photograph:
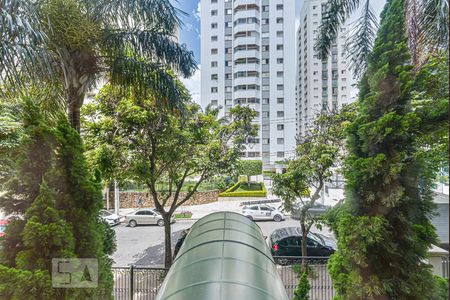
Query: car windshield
(105, 213)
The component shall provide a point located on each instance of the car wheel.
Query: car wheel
(249, 217)
(277, 218)
(160, 222)
(132, 223)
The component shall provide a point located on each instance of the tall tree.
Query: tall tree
(154, 147)
(318, 154)
(130, 43)
(426, 23)
(384, 229)
(54, 204)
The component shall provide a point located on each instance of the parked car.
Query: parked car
(109, 217)
(3, 224)
(287, 241)
(145, 216)
(180, 241)
(262, 212)
(316, 210)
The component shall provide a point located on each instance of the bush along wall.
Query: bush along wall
(232, 191)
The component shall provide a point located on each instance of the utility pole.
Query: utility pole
(116, 198)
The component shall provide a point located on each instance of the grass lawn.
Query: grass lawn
(244, 187)
(185, 215)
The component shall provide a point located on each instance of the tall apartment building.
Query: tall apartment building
(248, 58)
(321, 84)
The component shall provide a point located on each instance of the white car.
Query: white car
(145, 216)
(262, 212)
(109, 217)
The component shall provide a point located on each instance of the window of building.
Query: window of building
(266, 141)
(214, 25)
(265, 61)
(280, 33)
(214, 12)
(280, 154)
(214, 90)
(214, 38)
(265, 8)
(228, 50)
(265, 88)
(279, 6)
(265, 48)
(265, 74)
(280, 47)
(214, 64)
(280, 141)
(280, 126)
(279, 60)
(280, 114)
(228, 76)
(265, 101)
(280, 74)
(265, 21)
(213, 102)
(228, 11)
(214, 51)
(280, 100)
(214, 76)
(228, 25)
(265, 114)
(280, 87)
(279, 20)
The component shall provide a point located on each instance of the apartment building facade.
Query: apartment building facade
(248, 53)
(321, 84)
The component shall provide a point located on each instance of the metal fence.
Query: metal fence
(143, 283)
(137, 283)
(290, 269)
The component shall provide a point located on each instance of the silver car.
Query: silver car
(145, 216)
(262, 212)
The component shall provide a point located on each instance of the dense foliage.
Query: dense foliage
(383, 228)
(152, 146)
(54, 205)
(75, 42)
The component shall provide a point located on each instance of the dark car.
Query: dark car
(180, 241)
(287, 241)
(314, 211)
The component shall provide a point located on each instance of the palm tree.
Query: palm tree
(129, 42)
(426, 24)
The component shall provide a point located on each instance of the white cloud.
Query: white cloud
(197, 12)
(193, 85)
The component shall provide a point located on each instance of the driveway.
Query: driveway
(144, 245)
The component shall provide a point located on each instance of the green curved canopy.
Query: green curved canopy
(224, 256)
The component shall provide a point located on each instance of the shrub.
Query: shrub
(302, 291)
(231, 192)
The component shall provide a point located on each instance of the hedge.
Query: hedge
(231, 191)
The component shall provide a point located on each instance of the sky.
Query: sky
(190, 35)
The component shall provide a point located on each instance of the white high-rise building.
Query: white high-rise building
(321, 84)
(248, 52)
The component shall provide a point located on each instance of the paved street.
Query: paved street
(144, 245)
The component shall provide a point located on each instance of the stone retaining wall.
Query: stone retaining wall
(130, 199)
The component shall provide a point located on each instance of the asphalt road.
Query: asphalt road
(144, 245)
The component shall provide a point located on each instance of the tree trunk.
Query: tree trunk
(75, 102)
(304, 247)
(167, 242)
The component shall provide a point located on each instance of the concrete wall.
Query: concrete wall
(130, 199)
